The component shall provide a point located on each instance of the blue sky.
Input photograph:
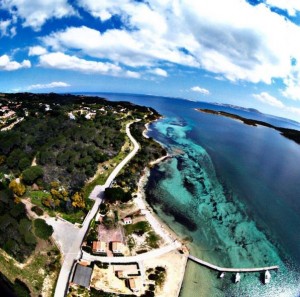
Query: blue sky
(240, 52)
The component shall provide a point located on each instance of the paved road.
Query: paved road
(73, 253)
(138, 258)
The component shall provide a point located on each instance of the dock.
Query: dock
(223, 269)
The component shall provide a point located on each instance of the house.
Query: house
(127, 221)
(117, 247)
(132, 285)
(82, 276)
(99, 247)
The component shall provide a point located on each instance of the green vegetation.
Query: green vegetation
(42, 229)
(116, 194)
(153, 239)
(44, 261)
(31, 174)
(16, 236)
(150, 151)
(139, 228)
(158, 275)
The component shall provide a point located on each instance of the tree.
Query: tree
(24, 163)
(78, 201)
(30, 175)
(42, 229)
(117, 194)
(17, 187)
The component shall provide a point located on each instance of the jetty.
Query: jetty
(223, 269)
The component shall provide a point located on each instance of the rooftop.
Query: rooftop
(82, 275)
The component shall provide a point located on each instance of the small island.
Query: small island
(73, 218)
(288, 133)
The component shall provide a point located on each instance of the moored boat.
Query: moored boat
(267, 277)
(237, 278)
(221, 274)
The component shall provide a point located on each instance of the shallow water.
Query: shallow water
(232, 191)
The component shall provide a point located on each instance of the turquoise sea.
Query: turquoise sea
(232, 191)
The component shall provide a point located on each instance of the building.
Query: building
(132, 285)
(82, 276)
(99, 247)
(127, 221)
(117, 247)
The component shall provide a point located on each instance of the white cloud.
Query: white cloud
(294, 110)
(232, 41)
(60, 60)
(291, 6)
(272, 101)
(36, 13)
(55, 84)
(292, 82)
(137, 48)
(37, 51)
(268, 99)
(159, 72)
(3, 27)
(200, 90)
(8, 65)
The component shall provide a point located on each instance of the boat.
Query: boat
(267, 277)
(221, 274)
(237, 278)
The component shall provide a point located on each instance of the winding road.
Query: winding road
(73, 251)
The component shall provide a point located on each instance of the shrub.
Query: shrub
(37, 210)
(42, 229)
(31, 174)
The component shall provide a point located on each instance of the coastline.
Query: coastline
(161, 228)
(184, 286)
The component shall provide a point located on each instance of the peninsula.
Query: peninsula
(288, 133)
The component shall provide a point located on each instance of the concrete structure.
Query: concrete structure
(82, 275)
(223, 269)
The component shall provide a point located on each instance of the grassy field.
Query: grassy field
(43, 263)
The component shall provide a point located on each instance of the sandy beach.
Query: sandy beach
(173, 259)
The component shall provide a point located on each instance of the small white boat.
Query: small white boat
(267, 277)
(237, 278)
(222, 275)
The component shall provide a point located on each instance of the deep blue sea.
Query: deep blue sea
(232, 191)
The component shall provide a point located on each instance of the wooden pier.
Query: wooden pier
(223, 269)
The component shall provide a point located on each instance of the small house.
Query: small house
(117, 247)
(127, 221)
(99, 247)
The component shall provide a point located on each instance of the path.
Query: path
(138, 258)
(223, 269)
(73, 251)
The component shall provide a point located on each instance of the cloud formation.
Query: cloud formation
(35, 13)
(268, 99)
(60, 60)
(232, 41)
(55, 84)
(7, 64)
(200, 90)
